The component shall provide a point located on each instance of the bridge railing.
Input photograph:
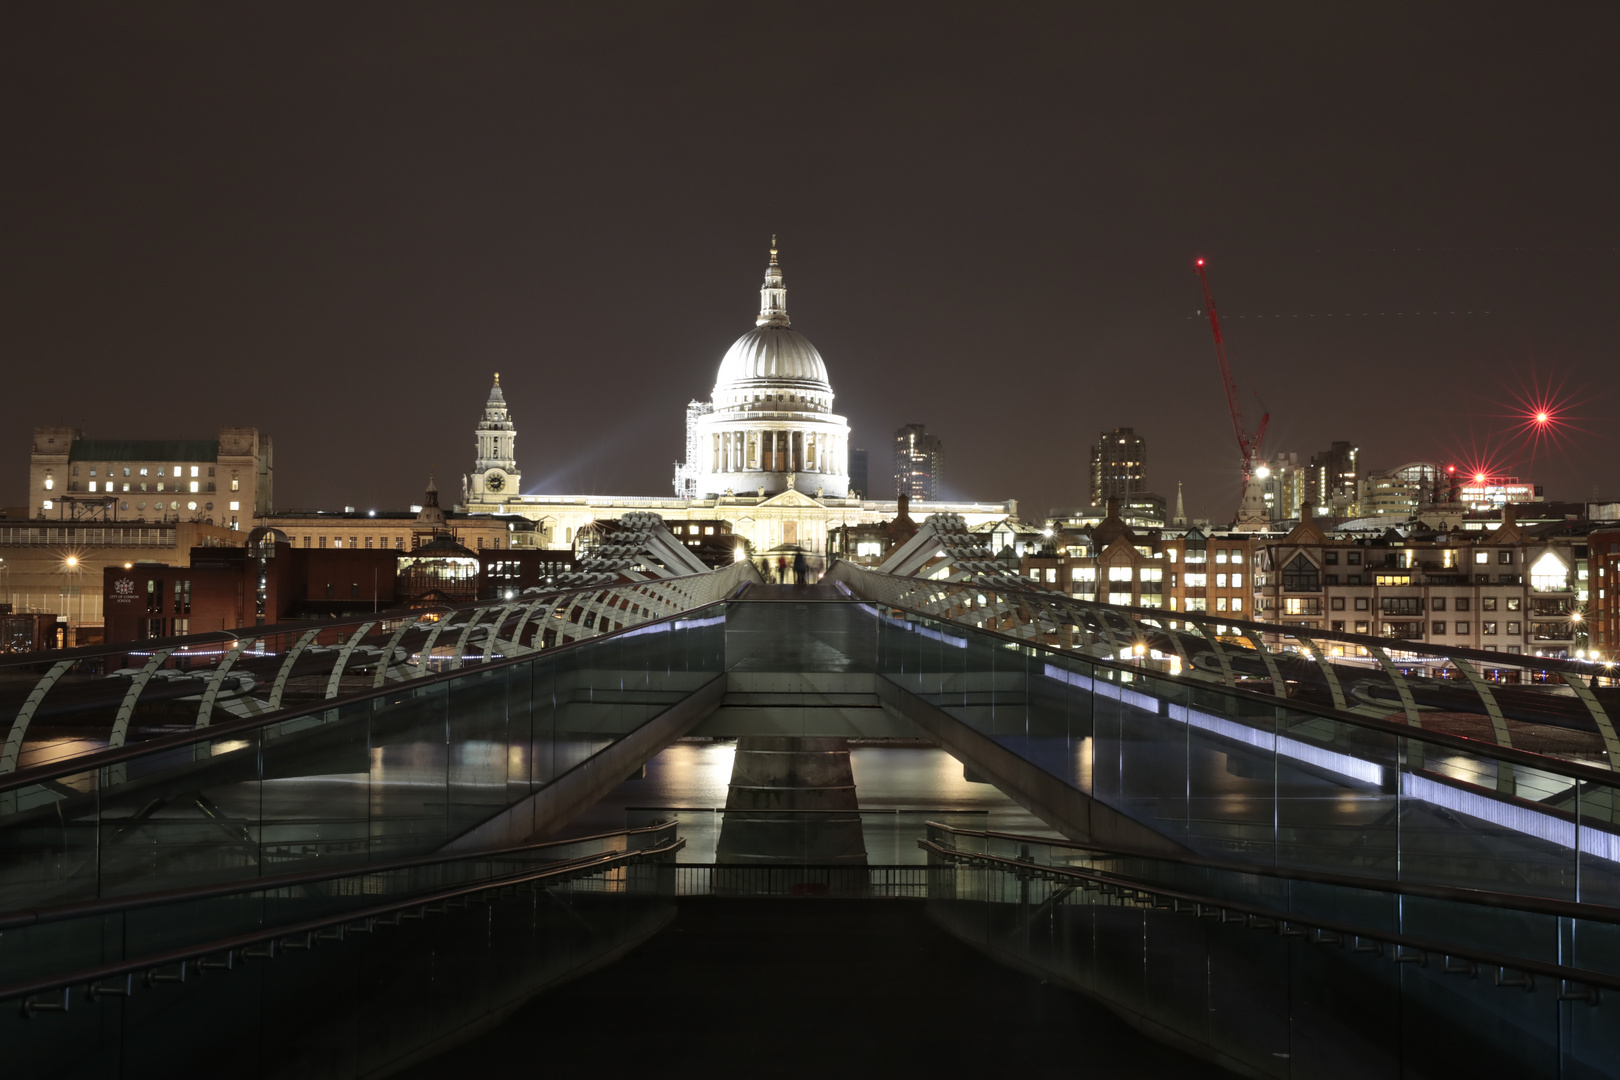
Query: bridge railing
(377, 774)
(59, 704)
(1564, 708)
(1287, 974)
(1234, 772)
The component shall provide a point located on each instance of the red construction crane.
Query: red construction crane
(1248, 445)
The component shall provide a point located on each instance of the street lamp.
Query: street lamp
(71, 566)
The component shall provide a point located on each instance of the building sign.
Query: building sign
(124, 590)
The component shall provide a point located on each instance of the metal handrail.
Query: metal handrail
(987, 601)
(100, 758)
(368, 917)
(581, 608)
(1567, 909)
(1545, 763)
(1285, 923)
(113, 905)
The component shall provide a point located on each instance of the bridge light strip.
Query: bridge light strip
(1514, 817)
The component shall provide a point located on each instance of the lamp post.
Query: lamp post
(71, 567)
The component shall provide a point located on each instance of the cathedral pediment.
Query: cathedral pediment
(789, 500)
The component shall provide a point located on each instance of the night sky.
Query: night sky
(335, 221)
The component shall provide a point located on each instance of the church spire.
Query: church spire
(773, 296)
(1181, 514)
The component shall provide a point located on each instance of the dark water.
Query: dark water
(897, 790)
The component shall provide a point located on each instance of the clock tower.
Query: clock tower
(495, 477)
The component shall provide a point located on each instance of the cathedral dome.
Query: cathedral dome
(772, 354)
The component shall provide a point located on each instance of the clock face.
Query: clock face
(494, 481)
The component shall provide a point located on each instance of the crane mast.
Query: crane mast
(1248, 444)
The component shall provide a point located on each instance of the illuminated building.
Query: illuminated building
(765, 455)
(1514, 589)
(1486, 493)
(495, 470)
(919, 463)
(1603, 587)
(1333, 480)
(224, 481)
(1118, 466)
(771, 427)
(1403, 491)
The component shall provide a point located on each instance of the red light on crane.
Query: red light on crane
(1479, 478)
(1200, 262)
(1542, 417)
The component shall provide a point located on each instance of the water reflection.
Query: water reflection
(897, 788)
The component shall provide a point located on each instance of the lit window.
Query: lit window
(46, 504)
(1119, 573)
(1547, 574)
(236, 485)
(1220, 555)
(160, 485)
(1220, 580)
(49, 483)
(126, 487)
(126, 470)
(1482, 556)
(1237, 603)
(191, 506)
(177, 471)
(1237, 581)
(143, 470)
(194, 487)
(1220, 601)
(236, 506)
(194, 470)
(92, 485)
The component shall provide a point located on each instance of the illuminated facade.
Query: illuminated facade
(765, 454)
(919, 463)
(770, 427)
(225, 481)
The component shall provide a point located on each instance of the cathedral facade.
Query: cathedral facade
(766, 452)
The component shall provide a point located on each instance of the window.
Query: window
(1338, 626)
(1462, 603)
(399, 543)
(1487, 628)
(1361, 603)
(1402, 605)
(1330, 558)
(1220, 581)
(1237, 581)
(1438, 603)
(1299, 605)
(1301, 576)
(1338, 603)
(1197, 581)
(236, 485)
(1237, 603)
(1361, 627)
(1437, 628)
(1515, 628)
(1462, 628)
(323, 542)
(1482, 556)
(1515, 603)
(1081, 573)
(194, 487)
(1487, 603)
(1220, 603)
(143, 473)
(306, 541)
(354, 541)
(1352, 558)
(235, 506)
(177, 470)
(1549, 574)
(92, 485)
(1504, 557)
(1171, 554)
(1119, 573)
(1220, 555)
(1392, 579)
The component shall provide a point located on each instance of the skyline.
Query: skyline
(349, 232)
